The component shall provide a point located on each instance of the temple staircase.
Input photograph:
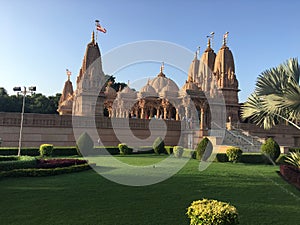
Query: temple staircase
(238, 138)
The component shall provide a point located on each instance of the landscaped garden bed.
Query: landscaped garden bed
(14, 166)
(258, 193)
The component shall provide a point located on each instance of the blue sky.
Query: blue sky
(40, 39)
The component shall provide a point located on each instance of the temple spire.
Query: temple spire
(225, 37)
(162, 67)
(69, 73)
(209, 43)
(197, 52)
(93, 37)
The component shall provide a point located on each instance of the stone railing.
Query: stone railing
(53, 120)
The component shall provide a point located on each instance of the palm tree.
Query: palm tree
(276, 97)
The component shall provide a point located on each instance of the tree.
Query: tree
(115, 85)
(276, 97)
(35, 103)
(3, 92)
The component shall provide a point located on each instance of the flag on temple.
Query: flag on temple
(99, 27)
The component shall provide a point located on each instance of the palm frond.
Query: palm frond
(257, 111)
(294, 159)
(292, 69)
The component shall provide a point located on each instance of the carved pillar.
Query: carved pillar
(157, 112)
(202, 118)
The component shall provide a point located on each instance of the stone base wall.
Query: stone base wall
(61, 130)
(284, 135)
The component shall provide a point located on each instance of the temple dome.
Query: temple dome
(160, 82)
(147, 91)
(190, 85)
(170, 90)
(127, 93)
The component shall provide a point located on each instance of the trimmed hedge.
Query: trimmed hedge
(44, 172)
(234, 154)
(46, 150)
(144, 150)
(204, 149)
(8, 158)
(124, 149)
(34, 151)
(159, 146)
(221, 157)
(253, 158)
(188, 153)
(84, 144)
(169, 150)
(100, 150)
(212, 212)
(64, 151)
(271, 149)
(178, 151)
(30, 151)
(19, 163)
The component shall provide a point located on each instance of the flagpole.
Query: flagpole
(96, 22)
(96, 35)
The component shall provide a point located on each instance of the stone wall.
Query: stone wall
(285, 135)
(60, 130)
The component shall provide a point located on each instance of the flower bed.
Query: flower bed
(291, 174)
(58, 163)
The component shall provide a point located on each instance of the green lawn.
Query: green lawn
(87, 198)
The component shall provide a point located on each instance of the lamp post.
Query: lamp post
(24, 93)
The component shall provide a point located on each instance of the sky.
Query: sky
(40, 39)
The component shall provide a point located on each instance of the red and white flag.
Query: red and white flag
(99, 27)
(69, 73)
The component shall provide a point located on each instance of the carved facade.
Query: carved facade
(210, 77)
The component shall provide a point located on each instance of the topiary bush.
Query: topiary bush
(124, 149)
(178, 151)
(234, 154)
(159, 146)
(46, 150)
(204, 149)
(212, 212)
(169, 150)
(188, 153)
(271, 149)
(84, 144)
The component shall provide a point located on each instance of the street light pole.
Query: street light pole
(22, 119)
(24, 92)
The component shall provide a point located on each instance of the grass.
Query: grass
(87, 198)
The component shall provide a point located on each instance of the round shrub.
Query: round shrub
(46, 150)
(159, 145)
(178, 151)
(212, 212)
(204, 149)
(84, 144)
(234, 154)
(271, 149)
(124, 149)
